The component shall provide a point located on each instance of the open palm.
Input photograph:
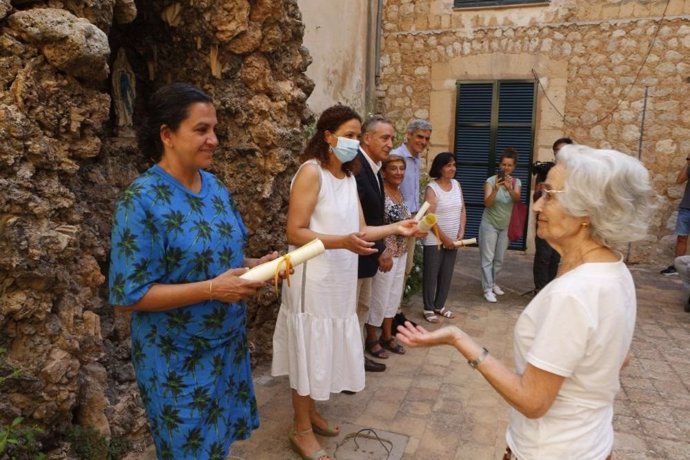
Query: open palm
(419, 337)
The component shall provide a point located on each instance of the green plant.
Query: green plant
(87, 444)
(414, 280)
(118, 447)
(3, 364)
(413, 284)
(308, 131)
(19, 441)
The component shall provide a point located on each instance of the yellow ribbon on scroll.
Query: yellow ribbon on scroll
(276, 273)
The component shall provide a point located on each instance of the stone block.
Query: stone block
(445, 21)
(641, 10)
(609, 12)
(441, 116)
(592, 12)
(626, 10)
(666, 147)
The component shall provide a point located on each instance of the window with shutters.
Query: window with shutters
(489, 3)
(489, 117)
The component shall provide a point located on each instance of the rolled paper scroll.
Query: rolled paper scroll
(426, 223)
(268, 270)
(462, 243)
(422, 210)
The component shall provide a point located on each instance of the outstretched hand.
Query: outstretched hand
(354, 242)
(407, 227)
(417, 336)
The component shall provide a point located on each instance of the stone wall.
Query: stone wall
(590, 58)
(65, 158)
(338, 40)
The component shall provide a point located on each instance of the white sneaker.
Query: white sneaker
(489, 296)
(497, 290)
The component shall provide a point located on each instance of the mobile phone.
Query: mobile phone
(500, 175)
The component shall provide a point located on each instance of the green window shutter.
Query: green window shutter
(491, 116)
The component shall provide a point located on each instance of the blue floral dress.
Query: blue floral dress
(192, 363)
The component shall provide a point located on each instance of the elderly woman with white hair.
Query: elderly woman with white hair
(573, 338)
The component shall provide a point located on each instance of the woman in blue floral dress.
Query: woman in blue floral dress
(176, 257)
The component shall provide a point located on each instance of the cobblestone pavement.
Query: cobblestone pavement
(445, 410)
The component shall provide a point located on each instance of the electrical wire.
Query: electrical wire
(627, 93)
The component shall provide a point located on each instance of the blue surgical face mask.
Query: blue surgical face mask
(346, 149)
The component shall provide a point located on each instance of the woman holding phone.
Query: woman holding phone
(500, 192)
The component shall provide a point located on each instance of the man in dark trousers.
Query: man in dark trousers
(376, 143)
(546, 259)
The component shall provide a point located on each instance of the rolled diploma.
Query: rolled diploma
(267, 270)
(426, 223)
(461, 243)
(422, 210)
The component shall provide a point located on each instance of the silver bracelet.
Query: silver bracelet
(478, 360)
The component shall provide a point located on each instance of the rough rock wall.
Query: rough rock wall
(63, 166)
(602, 46)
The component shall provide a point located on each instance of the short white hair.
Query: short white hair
(609, 187)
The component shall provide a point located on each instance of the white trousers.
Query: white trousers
(386, 292)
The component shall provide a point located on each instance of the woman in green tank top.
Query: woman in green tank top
(500, 192)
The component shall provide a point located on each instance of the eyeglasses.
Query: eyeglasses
(550, 192)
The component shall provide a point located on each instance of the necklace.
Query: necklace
(394, 193)
(567, 265)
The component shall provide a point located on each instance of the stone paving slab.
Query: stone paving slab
(446, 410)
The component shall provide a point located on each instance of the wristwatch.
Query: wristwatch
(478, 360)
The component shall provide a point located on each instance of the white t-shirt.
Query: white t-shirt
(448, 210)
(579, 327)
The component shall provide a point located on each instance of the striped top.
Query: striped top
(448, 210)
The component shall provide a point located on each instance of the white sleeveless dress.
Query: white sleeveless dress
(317, 339)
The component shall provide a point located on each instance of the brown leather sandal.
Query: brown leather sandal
(371, 345)
(392, 345)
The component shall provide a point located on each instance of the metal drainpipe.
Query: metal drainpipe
(377, 52)
(375, 60)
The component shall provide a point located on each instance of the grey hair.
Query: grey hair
(611, 188)
(418, 124)
(369, 125)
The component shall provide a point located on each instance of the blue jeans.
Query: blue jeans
(492, 247)
(683, 222)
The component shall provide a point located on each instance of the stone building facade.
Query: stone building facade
(593, 60)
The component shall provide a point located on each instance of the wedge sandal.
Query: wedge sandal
(445, 313)
(430, 316)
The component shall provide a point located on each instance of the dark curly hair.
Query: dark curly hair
(168, 106)
(330, 120)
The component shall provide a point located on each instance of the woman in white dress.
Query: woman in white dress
(317, 339)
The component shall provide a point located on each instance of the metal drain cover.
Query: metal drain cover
(364, 443)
